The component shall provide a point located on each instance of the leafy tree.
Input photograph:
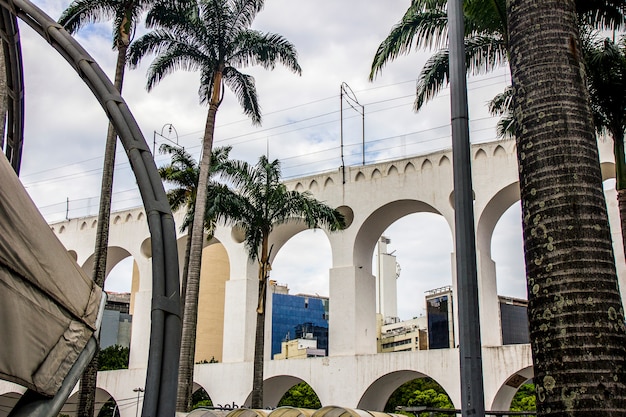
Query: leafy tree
(200, 398)
(213, 37)
(524, 399)
(301, 396)
(577, 330)
(125, 15)
(113, 357)
(261, 202)
(421, 391)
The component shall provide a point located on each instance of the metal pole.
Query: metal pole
(472, 390)
(343, 165)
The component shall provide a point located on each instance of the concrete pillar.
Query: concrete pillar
(240, 319)
(352, 321)
(490, 323)
(141, 306)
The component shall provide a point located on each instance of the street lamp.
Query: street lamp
(138, 390)
(171, 129)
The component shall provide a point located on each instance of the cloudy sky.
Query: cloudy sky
(336, 40)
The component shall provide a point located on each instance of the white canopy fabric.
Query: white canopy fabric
(48, 305)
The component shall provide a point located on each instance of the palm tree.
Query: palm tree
(213, 37)
(425, 26)
(606, 73)
(577, 330)
(259, 203)
(125, 15)
(182, 173)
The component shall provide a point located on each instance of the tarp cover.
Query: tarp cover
(48, 305)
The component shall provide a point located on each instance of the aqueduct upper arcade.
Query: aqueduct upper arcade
(372, 197)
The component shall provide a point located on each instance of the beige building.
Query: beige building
(300, 349)
(403, 336)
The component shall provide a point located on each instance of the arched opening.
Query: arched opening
(420, 392)
(200, 398)
(105, 405)
(517, 393)
(413, 270)
(402, 389)
(300, 395)
(421, 244)
(109, 409)
(299, 291)
(507, 251)
(276, 389)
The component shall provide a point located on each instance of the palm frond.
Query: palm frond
(424, 28)
(432, 78)
(83, 12)
(245, 91)
(265, 49)
(244, 12)
(484, 53)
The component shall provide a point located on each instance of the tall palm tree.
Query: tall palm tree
(125, 15)
(425, 26)
(259, 203)
(606, 73)
(182, 173)
(213, 37)
(577, 330)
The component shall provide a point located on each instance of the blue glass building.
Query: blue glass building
(295, 315)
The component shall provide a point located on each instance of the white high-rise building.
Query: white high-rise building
(387, 272)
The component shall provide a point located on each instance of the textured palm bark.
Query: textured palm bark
(259, 341)
(190, 314)
(576, 317)
(621, 203)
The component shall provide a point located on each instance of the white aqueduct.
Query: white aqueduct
(353, 375)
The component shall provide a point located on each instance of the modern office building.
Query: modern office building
(116, 321)
(439, 313)
(514, 320)
(298, 317)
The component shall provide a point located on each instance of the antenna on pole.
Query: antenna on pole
(350, 98)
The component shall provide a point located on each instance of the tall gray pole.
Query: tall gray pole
(472, 391)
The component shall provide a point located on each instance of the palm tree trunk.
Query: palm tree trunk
(190, 314)
(259, 341)
(183, 286)
(87, 393)
(577, 330)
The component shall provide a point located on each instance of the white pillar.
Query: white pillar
(240, 319)
(352, 321)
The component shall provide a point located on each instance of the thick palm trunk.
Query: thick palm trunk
(576, 318)
(259, 341)
(190, 314)
(87, 393)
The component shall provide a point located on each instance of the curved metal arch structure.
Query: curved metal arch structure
(162, 374)
(15, 89)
